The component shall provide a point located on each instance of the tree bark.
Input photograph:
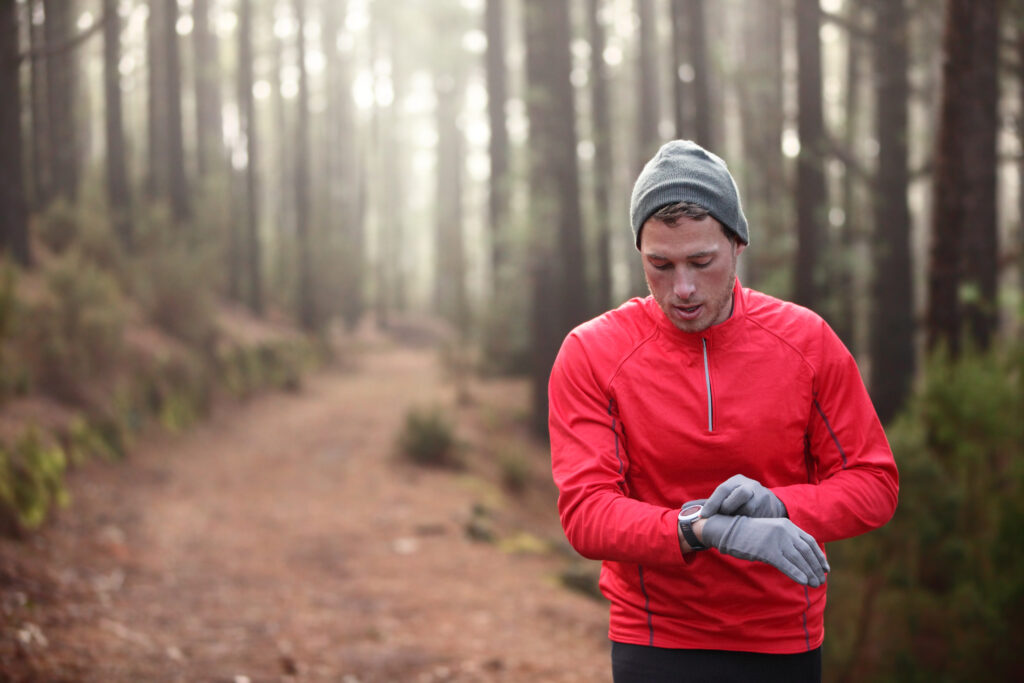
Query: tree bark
(345, 174)
(282, 172)
(450, 260)
(812, 193)
(209, 127)
(60, 88)
(41, 183)
(118, 187)
(305, 303)
(843, 280)
(13, 211)
(498, 146)
(600, 112)
(166, 179)
(680, 58)
(248, 129)
(764, 177)
(697, 39)
(648, 105)
(177, 190)
(559, 299)
(157, 171)
(892, 329)
(980, 248)
(962, 261)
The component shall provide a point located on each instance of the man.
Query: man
(706, 441)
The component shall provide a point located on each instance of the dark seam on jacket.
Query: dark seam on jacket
(835, 439)
(622, 465)
(807, 634)
(647, 606)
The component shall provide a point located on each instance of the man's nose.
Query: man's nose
(683, 286)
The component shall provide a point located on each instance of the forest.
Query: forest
(200, 197)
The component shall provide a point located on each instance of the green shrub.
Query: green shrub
(58, 226)
(515, 472)
(74, 333)
(31, 480)
(174, 290)
(178, 392)
(85, 439)
(12, 373)
(945, 577)
(174, 279)
(428, 438)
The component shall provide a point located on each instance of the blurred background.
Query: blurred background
(277, 173)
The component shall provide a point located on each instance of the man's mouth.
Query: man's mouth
(689, 312)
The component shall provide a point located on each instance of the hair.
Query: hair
(671, 213)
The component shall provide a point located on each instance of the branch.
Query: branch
(852, 164)
(47, 51)
(853, 29)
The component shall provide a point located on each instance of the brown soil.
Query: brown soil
(284, 540)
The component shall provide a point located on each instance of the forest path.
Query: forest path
(282, 540)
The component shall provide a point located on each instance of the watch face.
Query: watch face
(691, 510)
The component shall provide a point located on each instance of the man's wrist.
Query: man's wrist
(698, 530)
(689, 515)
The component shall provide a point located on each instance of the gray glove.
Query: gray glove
(739, 495)
(776, 541)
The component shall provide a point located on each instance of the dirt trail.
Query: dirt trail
(281, 540)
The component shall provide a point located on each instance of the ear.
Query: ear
(740, 246)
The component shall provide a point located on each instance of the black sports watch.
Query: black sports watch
(688, 514)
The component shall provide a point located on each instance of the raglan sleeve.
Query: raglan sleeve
(856, 484)
(589, 462)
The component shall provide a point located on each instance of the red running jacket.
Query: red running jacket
(644, 417)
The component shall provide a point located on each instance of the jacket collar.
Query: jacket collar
(714, 335)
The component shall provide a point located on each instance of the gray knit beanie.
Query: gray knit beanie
(683, 171)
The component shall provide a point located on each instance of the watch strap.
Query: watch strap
(691, 538)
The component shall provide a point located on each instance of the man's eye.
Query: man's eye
(661, 266)
(701, 264)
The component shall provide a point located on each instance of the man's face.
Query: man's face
(690, 270)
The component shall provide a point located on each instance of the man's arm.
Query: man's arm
(589, 462)
(857, 482)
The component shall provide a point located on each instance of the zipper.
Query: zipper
(707, 385)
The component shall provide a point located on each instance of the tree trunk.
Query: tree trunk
(381, 268)
(843, 280)
(247, 126)
(60, 87)
(177, 190)
(559, 299)
(648, 138)
(980, 246)
(812, 194)
(1020, 141)
(648, 100)
(118, 187)
(346, 171)
(498, 147)
(697, 39)
(282, 174)
(962, 260)
(450, 260)
(600, 112)
(892, 328)
(764, 177)
(209, 135)
(305, 303)
(166, 179)
(13, 212)
(680, 60)
(157, 172)
(41, 183)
